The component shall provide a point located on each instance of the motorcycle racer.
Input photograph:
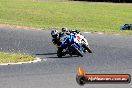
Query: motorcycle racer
(79, 37)
(68, 31)
(69, 46)
(56, 37)
(59, 38)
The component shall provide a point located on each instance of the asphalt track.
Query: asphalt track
(111, 54)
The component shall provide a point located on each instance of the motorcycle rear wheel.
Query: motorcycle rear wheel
(59, 52)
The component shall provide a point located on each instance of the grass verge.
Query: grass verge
(86, 16)
(14, 58)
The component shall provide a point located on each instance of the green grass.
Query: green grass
(86, 16)
(14, 58)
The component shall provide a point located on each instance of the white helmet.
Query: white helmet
(54, 33)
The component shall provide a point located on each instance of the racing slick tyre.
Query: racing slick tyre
(87, 48)
(77, 51)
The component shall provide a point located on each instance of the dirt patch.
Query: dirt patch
(15, 26)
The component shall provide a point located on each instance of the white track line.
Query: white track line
(87, 32)
(116, 34)
(100, 33)
(37, 59)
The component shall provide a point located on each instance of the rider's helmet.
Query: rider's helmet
(54, 33)
(65, 31)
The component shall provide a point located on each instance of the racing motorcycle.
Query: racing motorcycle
(70, 45)
(83, 41)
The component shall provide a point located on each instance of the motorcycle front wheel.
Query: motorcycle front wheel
(87, 48)
(74, 49)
